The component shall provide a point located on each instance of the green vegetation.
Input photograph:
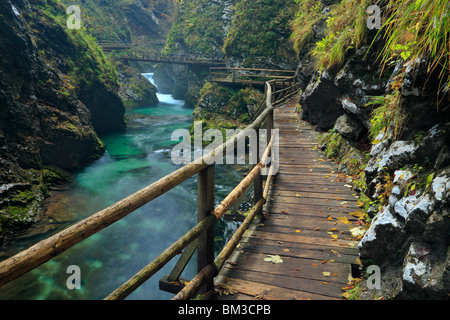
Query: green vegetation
(388, 113)
(260, 28)
(106, 22)
(198, 28)
(222, 108)
(418, 29)
(346, 30)
(86, 64)
(309, 13)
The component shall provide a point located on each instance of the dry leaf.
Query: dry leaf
(274, 259)
(357, 214)
(357, 232)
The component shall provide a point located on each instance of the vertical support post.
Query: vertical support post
(205, 251)
(269, 124)
(258, 182)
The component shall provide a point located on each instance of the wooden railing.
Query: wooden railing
(247, 76)
(280, 91)
(201, 236)
(174, 58)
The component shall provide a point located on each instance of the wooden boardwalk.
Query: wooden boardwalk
(306, 222)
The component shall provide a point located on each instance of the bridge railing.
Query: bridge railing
(180, 58)
(247, 76)
(200, 237)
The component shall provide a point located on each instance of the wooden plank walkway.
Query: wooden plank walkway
(303, 223)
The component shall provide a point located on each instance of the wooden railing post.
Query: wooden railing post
(205, 251)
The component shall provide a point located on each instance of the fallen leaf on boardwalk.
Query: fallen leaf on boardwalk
(330, 218)
(324, 261)
(343, 220)
(298, 269)
(335, 252)
(325, 283)
(225, 290)
(286, 250)
(326, 200)
(326, 274)
(280, 242)
(316, 229)
(285, 212)
(274, 259)
(357, 232)
(332, 229)
(259, 297)
(334, 237)
(298, 231)
(357, 214)
(298, 195)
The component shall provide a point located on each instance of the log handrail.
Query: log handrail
(47, 249)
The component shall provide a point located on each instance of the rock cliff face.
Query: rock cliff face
(57, 92)
(390, 130)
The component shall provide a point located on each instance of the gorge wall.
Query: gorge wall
(387, 125)
(59, 92)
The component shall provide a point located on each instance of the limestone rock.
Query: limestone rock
(348, 127)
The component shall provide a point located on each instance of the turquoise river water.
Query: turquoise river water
(133, 160)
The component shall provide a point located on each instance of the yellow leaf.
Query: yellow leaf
(357, 214)
(343, 220)
(326, 274)
(298, 231)
(334, 237)
(347, 295)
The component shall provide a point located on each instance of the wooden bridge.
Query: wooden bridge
(298, 247)
(251, 76)
(128, 52)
